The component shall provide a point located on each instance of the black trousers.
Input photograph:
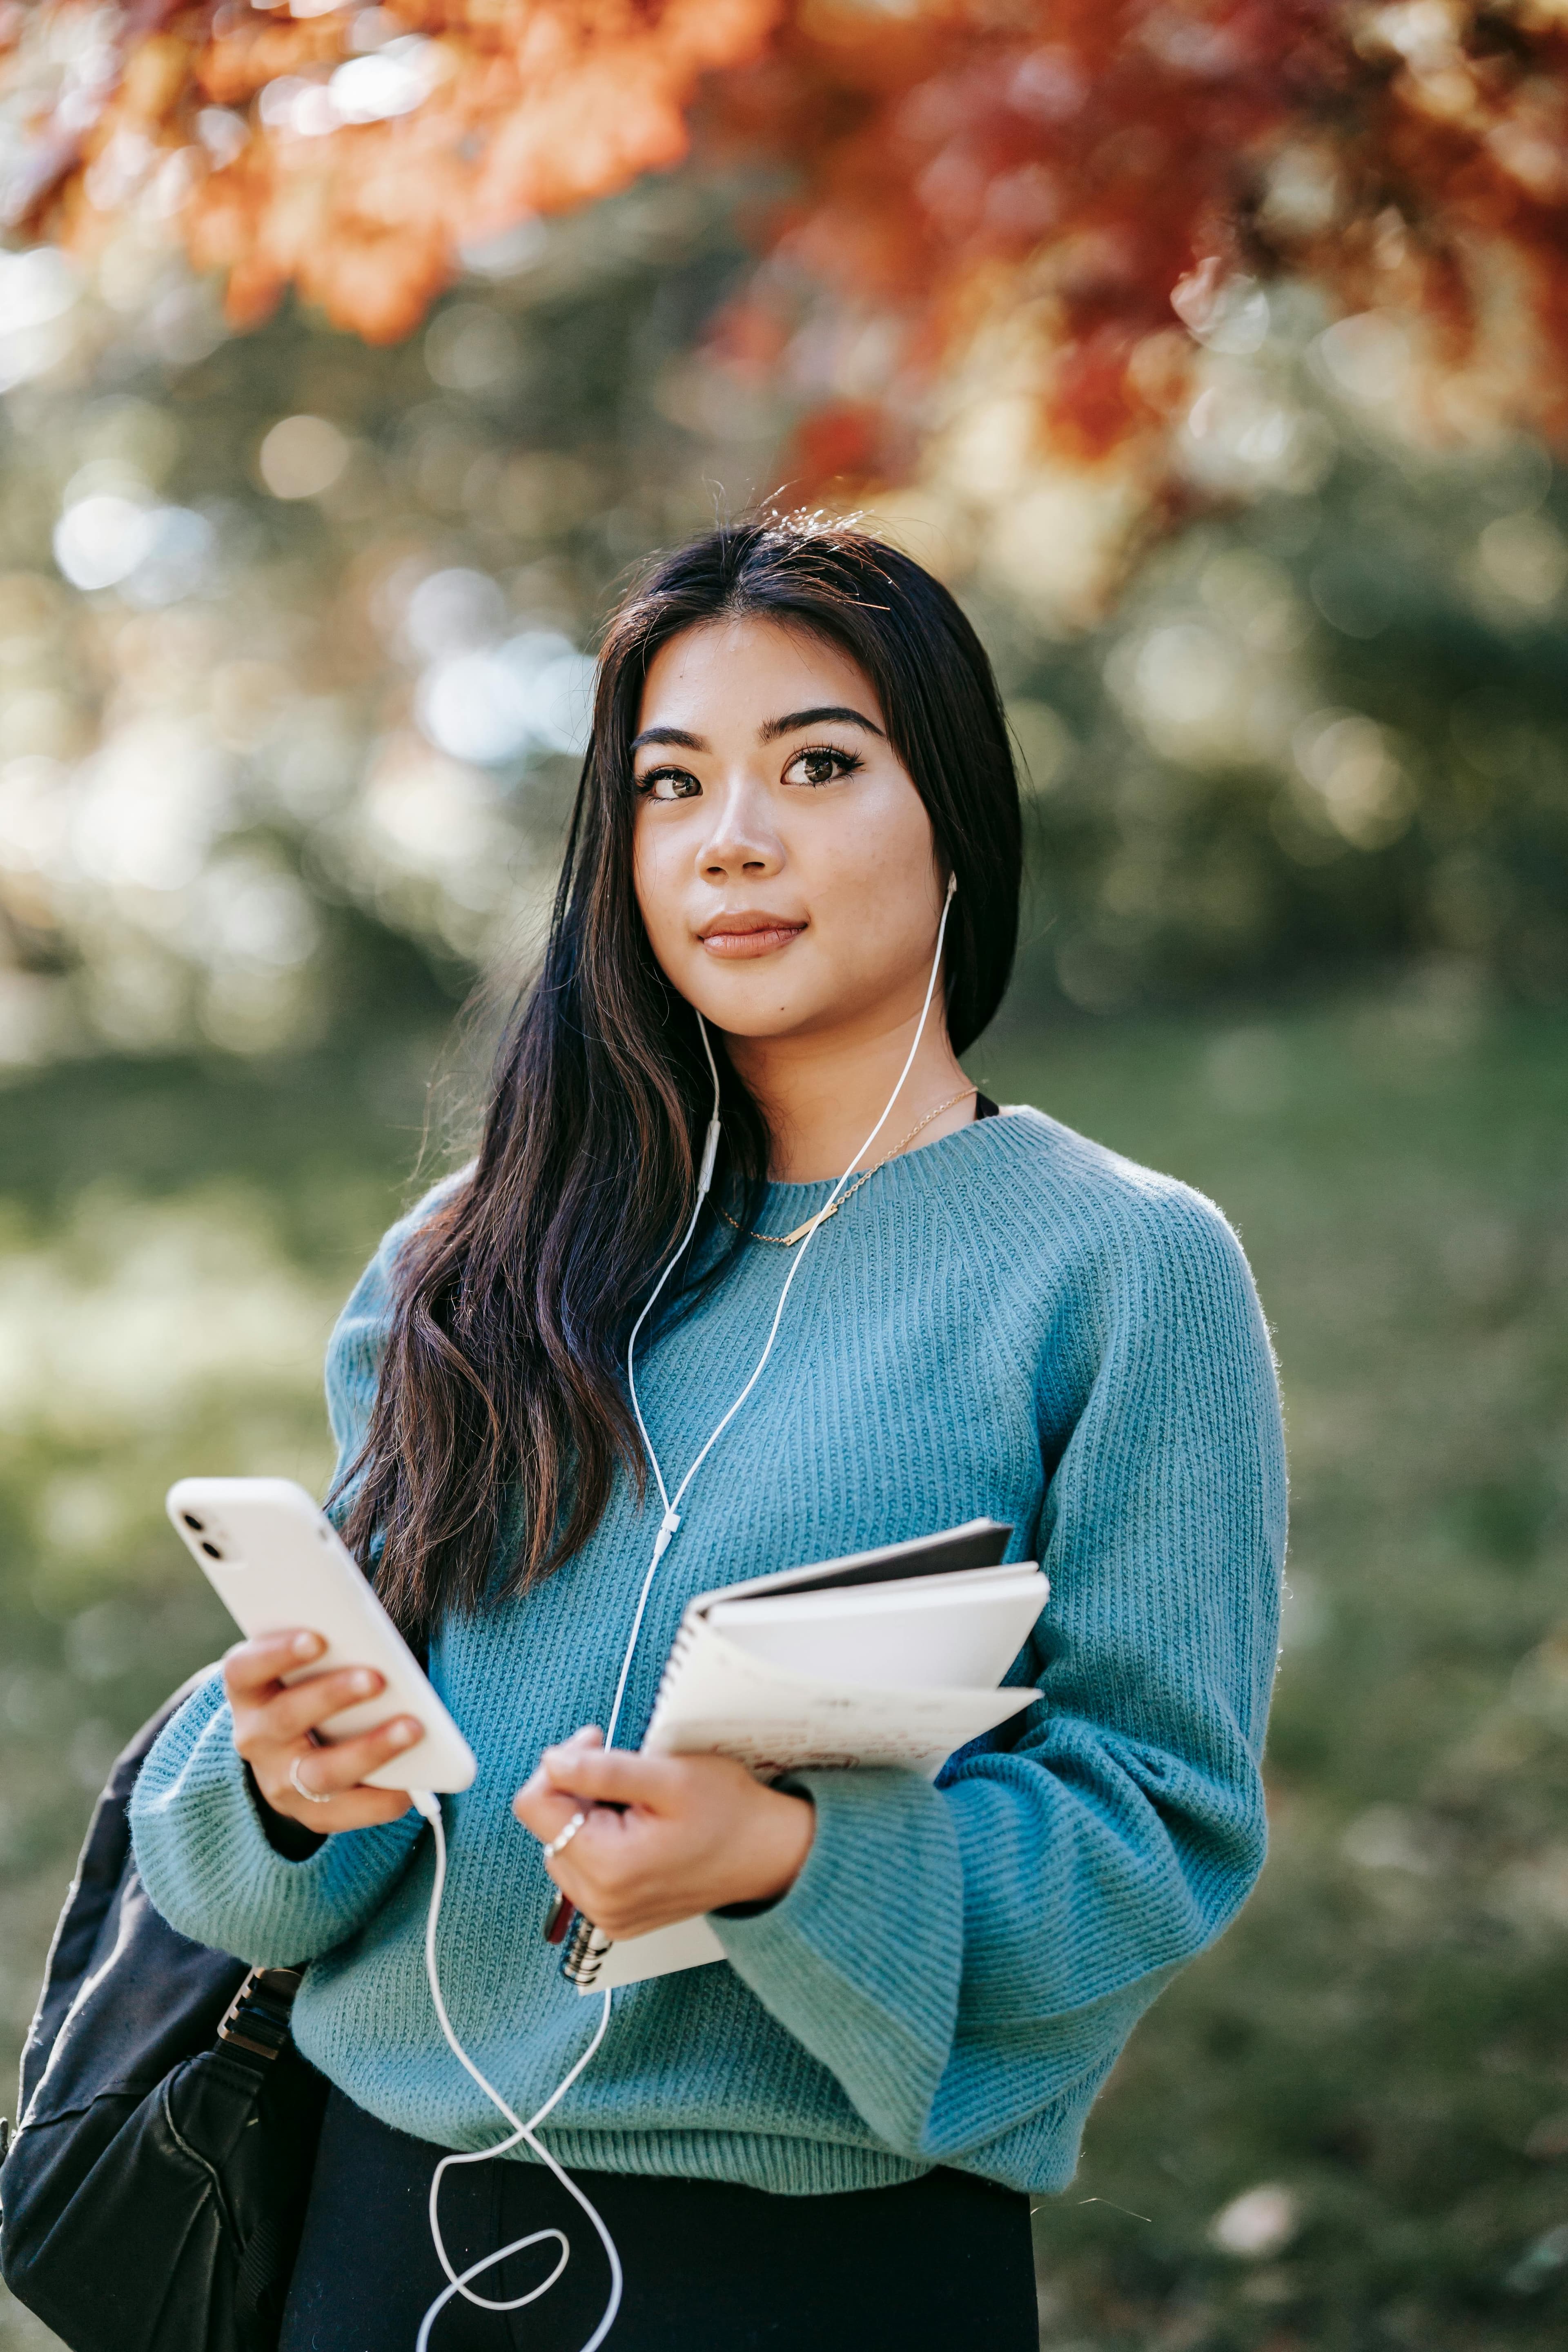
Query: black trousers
(931, 2265)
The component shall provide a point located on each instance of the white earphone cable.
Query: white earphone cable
(429, 1805)
(671, 1520)
(457, 2282)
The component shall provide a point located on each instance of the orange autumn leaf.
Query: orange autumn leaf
(1062, 204)
(352, 152)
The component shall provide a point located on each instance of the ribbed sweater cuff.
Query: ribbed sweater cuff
(207, 1865)
(862, 1960)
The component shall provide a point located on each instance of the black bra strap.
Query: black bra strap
(986, 1109)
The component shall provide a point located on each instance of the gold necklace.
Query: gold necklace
(787, 1241)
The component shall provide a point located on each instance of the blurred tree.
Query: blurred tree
(1333, 726)
(1025, 198)
(289, 628)
(292, 628)
(350, 150)
(290, 633)
(1042, 229)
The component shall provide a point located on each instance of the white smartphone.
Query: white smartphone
(275, 1561)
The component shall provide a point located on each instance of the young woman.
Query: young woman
(799, 758)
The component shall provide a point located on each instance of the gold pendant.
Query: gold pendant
(801, 1232)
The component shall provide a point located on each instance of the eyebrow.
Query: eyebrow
(769, 732)
(676, 735)
(818, 717)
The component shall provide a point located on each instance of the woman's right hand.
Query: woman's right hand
(272, 1723)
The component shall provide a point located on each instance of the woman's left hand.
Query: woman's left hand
(697, 1833)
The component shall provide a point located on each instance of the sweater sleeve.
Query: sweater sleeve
(201, 1849)
(962, 1957)
(207, 1864)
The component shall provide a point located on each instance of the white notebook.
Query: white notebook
(891, 1657)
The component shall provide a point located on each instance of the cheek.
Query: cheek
(878, 856)
(654, 881)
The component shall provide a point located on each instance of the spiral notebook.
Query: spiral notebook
(887, 1657)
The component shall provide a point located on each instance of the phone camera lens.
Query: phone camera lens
(192, 1521)
(212, 1551)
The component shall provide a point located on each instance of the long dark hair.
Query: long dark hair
(501, 1413)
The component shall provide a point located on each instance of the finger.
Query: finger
(585, 1742)
(542, 1809)
(327, 1772)
(360, 1809)
(304, 1707)
(539, 1781)
(366, 1809)
(612, 1776)
(251, 1665)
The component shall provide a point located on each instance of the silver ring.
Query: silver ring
(311, 1796)
(559, 1844)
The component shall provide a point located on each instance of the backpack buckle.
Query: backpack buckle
(257, 2018)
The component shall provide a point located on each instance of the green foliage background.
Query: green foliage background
(1297, 929)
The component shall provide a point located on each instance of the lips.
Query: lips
(749, 931)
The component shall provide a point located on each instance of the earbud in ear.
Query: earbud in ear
(953, 886)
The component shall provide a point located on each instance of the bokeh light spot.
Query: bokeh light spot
(301, 457)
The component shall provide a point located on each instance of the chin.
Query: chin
(752, 1008)
(751, 999)
(746, 1020)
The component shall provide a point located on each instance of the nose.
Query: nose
(741, 839)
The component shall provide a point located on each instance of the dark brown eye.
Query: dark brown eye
(821, 765)
(668, 784)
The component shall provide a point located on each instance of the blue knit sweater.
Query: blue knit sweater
(1011, 1322)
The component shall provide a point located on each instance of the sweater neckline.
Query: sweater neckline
(903, 1168)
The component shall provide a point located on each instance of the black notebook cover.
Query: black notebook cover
(979, 1543)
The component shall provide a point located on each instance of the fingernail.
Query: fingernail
(362, 1681)
(404, 1734)
(306, 1644)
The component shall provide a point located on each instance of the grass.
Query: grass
(1381, 2037)
(1374, 2061)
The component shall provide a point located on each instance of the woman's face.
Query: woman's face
(784, 863)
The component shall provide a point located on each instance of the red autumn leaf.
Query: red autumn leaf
(1044, 196)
